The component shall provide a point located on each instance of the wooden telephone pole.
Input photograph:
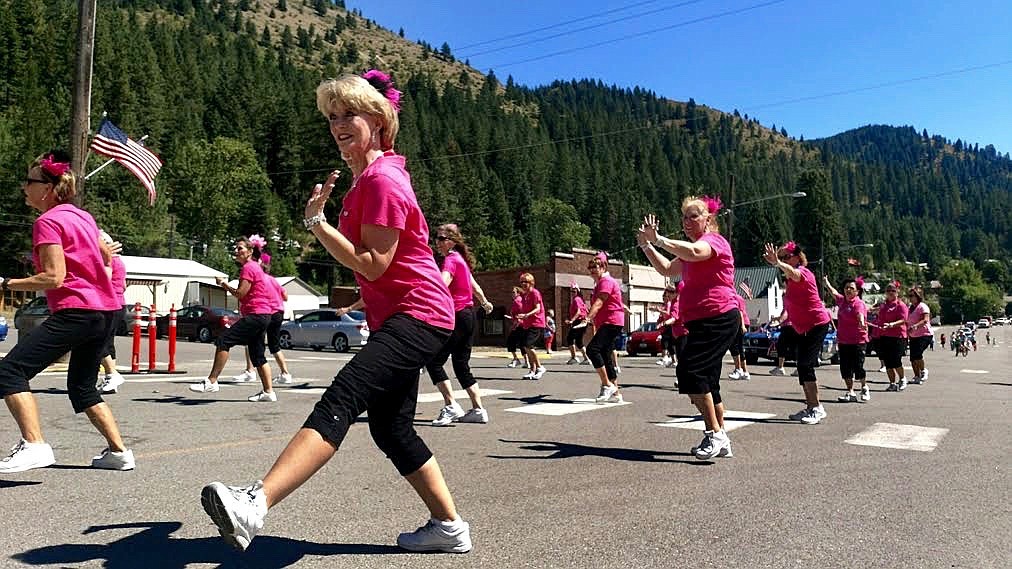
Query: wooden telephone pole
(80, 126)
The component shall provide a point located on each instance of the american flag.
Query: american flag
(114, 143)
(743, 285)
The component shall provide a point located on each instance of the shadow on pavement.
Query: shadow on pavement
(185, 401)
(570, 450)
(997, 383)
(155, 548)
(656, 386)
(543, 398)
(14, 483)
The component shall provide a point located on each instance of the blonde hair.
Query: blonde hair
(65, 186)
(527, 278)
(357, 95)
(703, 206)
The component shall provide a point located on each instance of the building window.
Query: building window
(492, 327)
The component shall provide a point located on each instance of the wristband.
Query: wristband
(311, 222)
(657, 242)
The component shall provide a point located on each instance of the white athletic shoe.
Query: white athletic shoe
(617, 398)
(513, 364)
(283, 378)
(110, 460)
(849, 397)
(448, 414)
(778, 371)
(26, 456)
(797, 416)
(712, 445)
(882, 369)
(903, 383)
(572, 361)
(736, 374)
(263, 397)
(606, 393)
(474, 416)
(111, 382)
(206, 386)
(664, 361)
(539, 373)
(528, 375)
(585, 362)
(865, 394)
(618, 370)
(437, 535)
(813, 416)
(924, 376)
(245, 376)
(238, 512)
(745, 376)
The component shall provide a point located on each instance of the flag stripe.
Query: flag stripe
(112, 142)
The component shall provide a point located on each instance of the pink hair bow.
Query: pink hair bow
(859, 281)
(257, 241)
(54, 168)
(385, 85)
(713, 203)
(790, 247)
(265, 259)
(603, 256)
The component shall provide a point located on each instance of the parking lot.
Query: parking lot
(911, 479)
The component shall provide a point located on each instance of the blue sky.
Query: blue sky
(755, 60)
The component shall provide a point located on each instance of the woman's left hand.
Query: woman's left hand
(320, 195)
(771, 254)
(649, 228)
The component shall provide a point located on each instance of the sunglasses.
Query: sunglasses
(442, 238)
(35, 181)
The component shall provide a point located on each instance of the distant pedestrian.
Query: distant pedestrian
(278, 300)
(892, 322)
(852, 336)
(607, 314)
(577, 322)
(517, 335)
(550, 328)
(919, 332)
(532, 320)
(112, 379)
(740, 371)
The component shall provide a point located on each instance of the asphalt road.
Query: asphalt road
(588, 486)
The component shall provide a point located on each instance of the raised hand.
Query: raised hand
(649, 228)
(321, 193)
(771, 254)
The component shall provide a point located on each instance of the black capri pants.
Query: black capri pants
(852, 361)
(110, 345)
(383, 380)
(667, 340)
(787, 342)
(458, 350)
(274, 332)
(83, 333)
(702, 356)
(679, 344)
(601, 346)
(738, 344)
(516, 339)
(575, 335)
(917, 347)
(890, 349)
(809, 347)
(247, 332)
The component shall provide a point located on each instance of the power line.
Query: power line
(643, 33)
(578, 30)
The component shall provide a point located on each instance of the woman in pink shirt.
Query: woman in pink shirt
(608, 315)
(664, 321)
(738, 345)
(257, 304)
(381, 235)
(577, 322)
(892, 324)
(117, 272)
(852, 337)
(532, 321)
(919, 330)
(708, 308)
(456, 272)
(279, 296)
(72, 268)
(809, 318)
(517, 335)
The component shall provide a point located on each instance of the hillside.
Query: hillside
(225, 92)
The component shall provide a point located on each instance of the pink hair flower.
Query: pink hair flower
(602, 256)
(713, 203)
(790, 247)
(385, 85)
(859, 281)
(257, 241)
(54, 168)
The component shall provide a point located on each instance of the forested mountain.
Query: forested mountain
(225, 91)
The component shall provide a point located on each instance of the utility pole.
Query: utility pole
(730, 214)
(80, 125)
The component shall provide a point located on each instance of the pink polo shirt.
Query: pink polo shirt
(848, 320)
(86, 284)
(891, 312)
(577, 308)
(611, 311)
(515, 309)
(530, 300)
(744, 310)
(260, 297)
(277, 295)
(412, 284)
(709, 284)
(678, 329)
(460, 286)
(119, 278)
(803, 304)
(915, 316)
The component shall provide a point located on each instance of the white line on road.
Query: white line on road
(903, 437)
(459, 394)
(973, 371)
(732, 420)
(558, 409)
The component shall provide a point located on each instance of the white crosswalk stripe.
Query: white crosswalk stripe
(558, 409)
(904, 437)
(732, 420)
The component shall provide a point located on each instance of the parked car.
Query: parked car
(645, 340)
(30, 316)
(3, 328)
(762, 343)
(324, 328)
(125, 326)
(202, 323)
(1000, 321)
(984, 323)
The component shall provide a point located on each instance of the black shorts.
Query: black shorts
(699, 364)
(787, 343)
(247, 332)
(274, 332)
(852, 361)
(890, 350)
(575, 335)
(110, 345)
(738, 344)
(533, 336)
(917, 347)
(516, 338)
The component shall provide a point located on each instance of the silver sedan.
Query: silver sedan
(325, 328)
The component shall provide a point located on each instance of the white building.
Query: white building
(645, 294)
(764, 282)
(171, 282)
(302, 298)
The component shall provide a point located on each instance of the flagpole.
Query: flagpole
(110, 161)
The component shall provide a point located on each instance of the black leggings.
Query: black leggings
(575, 335)
(458, 349)
(274, 332)
(601, 346)
(809, 347)
(667, 341)
(383, 380)
(852, 361)
(83, 333)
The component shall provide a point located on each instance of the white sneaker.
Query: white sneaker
(206, 386)
(903, 383)
(778, 371)
(238, 512)
(572, 361)
(712, 445)
(618, 370)
(26, 456)
(882, 369)
(865, 394)
(585, 362)
(811, 417)
(725, 452)
(672, 363)
(736, 374)
(110, 460)
(513, 364)
(795, 372)
(243, 377)
(540, 372)
(849, 397)
(665, 361)
(111, 382)
(607, 391)
(924, 376)
(263, 397)
(437, 535)
(283, 378)
(797, 416)
(745, 376)
(529, 375)
(617, 398)
(448, 414)
(474, 416)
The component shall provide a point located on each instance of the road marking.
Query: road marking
(973, 371)
(903, 437)
(558, 409)
(732, 420)
(459, 394)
